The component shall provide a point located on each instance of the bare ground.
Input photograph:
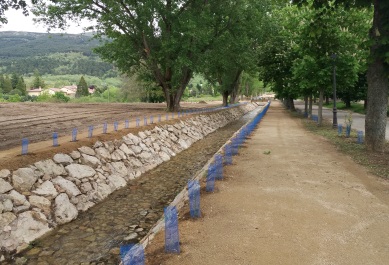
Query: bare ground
(38, 121)
(304, 203)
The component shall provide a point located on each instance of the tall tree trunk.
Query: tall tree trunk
(378, 84)
(291, 104)
(305, 106)
(235, 87)
(225, 98)
(173, 96)
(320, 108)
(348, 103)
(327, 100)
(310, 106)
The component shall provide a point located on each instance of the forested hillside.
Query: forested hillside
(57, 54)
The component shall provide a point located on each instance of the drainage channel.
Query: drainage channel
(129, 213)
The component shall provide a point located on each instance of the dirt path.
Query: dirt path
(304, 203)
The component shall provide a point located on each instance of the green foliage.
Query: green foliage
(38, 81)
(82, 88)
(43, 97)
(56, 54)
(11, 4)
(7, 86)
(15, 92)
(14, 98)
(60, 97)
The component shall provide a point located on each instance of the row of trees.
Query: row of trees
(13, 85)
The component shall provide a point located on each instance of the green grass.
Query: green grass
(355, 107)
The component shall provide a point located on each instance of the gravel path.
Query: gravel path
(304, 203)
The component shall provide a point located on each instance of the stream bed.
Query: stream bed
(128, 214)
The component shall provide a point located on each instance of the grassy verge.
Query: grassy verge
(355, 107)
(377, 164)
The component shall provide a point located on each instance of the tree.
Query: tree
(21, 86)
(7, 85)
(166, 37)
(38, 81)
(82, 88)
(377, 70)
(14, 80)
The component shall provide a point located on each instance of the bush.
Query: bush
(44, 97)
(60, 97)
(14, 98)
(15, 92)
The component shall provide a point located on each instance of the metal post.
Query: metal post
(334, 118)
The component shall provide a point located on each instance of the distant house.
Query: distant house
(34, 91)
(71, 93)
(53, 90)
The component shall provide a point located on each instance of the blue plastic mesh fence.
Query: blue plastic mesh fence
(159, 117)
(194, 198)
(74, 135)
(340, 129)
(210, 186)
(105, 127)
(55, 139)
(227, 155)
(144, 120)
(132, 254)
(348, 130)
(137, 122)
(219, 166)
(151, 119)
(126, 124)
(360, 137)
(172, 239)
(90, 131)
(24, 146)
(115, 126)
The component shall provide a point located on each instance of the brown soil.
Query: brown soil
(38, 121)
(302, 203)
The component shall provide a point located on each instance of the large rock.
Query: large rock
(41, 203)
(69, 187)
(102, 152)
(65, 211)
(102, 191)
(6, 219)
(62, 159)
(110, 146)
(30, 225)
(118, 155)
(18, 199)
(80, 171)
(84, 203)
(23, 179)
(165, 157)
(135, 139)
(118, 168)
(142, 135)
(50, 168)
(46, 189)
(4, 186)
(134, 162)
(116, 182)
(183, 144)
(90, 160)
(136, 149)
(126, 150)
(5, 173)
(145, 156)
(87, 150)
(75, 155)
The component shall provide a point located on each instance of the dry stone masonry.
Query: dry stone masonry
(37, 198)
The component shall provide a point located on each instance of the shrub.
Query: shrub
(60, 97)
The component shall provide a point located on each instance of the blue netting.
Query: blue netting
(211, 178)
(145, 120)
(105, 127)
(219, 166)
(132, 254)
(159, 117)
(360, 137)
(90, 131)
(115, 126)
(126, 124)
(172, 239)
(151, 119)
(227, 155)
(24, 146)
(137, 122)
(348, 130)
(74, 134)
(55, 139)
(340, 129)
(194, 198)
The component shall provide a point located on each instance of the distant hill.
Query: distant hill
(57, 54)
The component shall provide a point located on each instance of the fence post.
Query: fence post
(172, 240)
(74, 135)
(55, 139)
(194, 198)
(24, 146)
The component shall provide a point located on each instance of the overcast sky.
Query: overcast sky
(18, 22)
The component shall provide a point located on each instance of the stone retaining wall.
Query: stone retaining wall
(37, 198)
